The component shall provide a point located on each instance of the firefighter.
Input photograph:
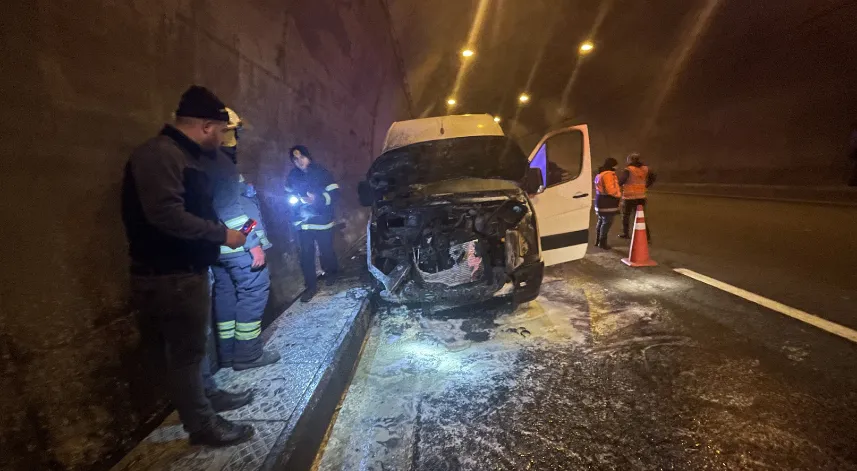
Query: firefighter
(607, 197)
(241, 278)
(174, 237)
(635, 180)
(312, 195)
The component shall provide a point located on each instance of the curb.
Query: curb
(296, 449)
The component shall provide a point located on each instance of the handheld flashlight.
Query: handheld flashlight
(293, 200)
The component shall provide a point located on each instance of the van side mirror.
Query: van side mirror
(365, 194)
(534, 182)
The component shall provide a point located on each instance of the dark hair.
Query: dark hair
(633, 158)
(609, 164)
(302, 149)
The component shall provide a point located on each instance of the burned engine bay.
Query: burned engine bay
(450, 249)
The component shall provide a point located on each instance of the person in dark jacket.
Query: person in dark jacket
(607, 197)
(635, 180)
(312, 195)
(174, 235)
(241, 279)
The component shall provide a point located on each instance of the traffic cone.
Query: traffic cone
(639, 255)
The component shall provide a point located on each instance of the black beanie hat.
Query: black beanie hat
(200, 102)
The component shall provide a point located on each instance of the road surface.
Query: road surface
(614, 368)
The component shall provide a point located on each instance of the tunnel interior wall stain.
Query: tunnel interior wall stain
(84, 83)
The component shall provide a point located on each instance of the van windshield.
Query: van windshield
(494, 157)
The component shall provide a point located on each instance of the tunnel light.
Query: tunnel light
(587, 47)
(451, 102)
(497, 119)
(467, 53)
(524, 98)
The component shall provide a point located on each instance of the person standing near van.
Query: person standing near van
(241, 278)
(635, 181)
(174, 236)
(316, 191)
(607, 198)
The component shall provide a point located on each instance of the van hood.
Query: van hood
(463, 160)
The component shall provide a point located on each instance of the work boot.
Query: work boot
(222, 401)
(266, 358)
(330, 279)
(222, 432)
(624, 236)
(308, 295)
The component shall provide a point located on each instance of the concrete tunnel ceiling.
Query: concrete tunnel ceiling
(703, 64)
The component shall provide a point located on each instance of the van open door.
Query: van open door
(564, 203)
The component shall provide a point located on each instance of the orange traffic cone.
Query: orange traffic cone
(639, 255)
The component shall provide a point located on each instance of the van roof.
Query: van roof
(403, 133)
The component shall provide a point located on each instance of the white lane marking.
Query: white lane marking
(803, 316)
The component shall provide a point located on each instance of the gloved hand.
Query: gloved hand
(258, 257)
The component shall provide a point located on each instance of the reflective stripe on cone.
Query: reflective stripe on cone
(639, 254)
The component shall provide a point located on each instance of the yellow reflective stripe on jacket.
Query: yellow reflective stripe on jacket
(237, 222)
(331, 187)
(298, 223)
(226, 330)
(224, 250)
(248, 330)
(317, 227)
(327, 199)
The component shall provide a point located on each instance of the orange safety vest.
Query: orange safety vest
(635, 187)
(606, 183)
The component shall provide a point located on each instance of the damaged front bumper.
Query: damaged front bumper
(402, 286)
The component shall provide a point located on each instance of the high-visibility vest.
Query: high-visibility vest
(635, 187)
(606, 183)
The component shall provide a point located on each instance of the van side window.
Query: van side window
(564, 157)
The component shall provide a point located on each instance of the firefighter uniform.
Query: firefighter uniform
(314, 220)
(240, 291)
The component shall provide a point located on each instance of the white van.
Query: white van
(461, 215)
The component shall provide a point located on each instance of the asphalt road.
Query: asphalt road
(802, 255)
(614, 368)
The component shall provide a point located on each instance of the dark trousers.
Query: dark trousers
(602, 227)
(240, 297)
(308, 240)
(629, 210)
(173, 313)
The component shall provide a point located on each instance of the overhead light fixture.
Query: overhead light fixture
(524, 98)
(587, 47)
(467, 53)
(496, 119)
(451, 102)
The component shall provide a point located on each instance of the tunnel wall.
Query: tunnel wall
(86, 81)
(765, 96)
